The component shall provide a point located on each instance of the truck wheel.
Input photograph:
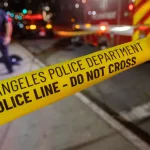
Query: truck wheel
(77, 41)
(103, 42)
(102, 46)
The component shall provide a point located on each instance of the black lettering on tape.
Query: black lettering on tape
(46, 90)
(112, 54)
(13, 102)
(6, 105)
(128, 63)
(69, 68)
(95, 60)
(49, 89)
(18, 99)
(43, 78)
(123, 64)
(129, 50)
(14, 86)
(139, 46)
(79, 79)
(56, 88)
(26, 97)
(96, 73)
(123, 51)
(73, 67)
(21, 83)
(35, 79)
(110, 68)
(100, 56)
(89, 62)
(51, 73)
(73, 81)
(79, 62)
(28, 83)
(42, 91)
(66, 73)
(116, 50)
(36, 94)
(6, 88)
(117, 65)
(1, 107)
(107, 57)
(134, 60)
(59, 72)
(134, 48)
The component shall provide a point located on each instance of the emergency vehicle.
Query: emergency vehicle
(115, 21)
(35, 26)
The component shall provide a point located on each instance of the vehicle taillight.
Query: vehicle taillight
(27, 27)
(32, 27)
(33, 17)
(131, 6)
(49, 26)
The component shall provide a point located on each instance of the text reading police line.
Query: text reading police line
(46, 83)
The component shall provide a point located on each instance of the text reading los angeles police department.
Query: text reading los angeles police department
(53, 80)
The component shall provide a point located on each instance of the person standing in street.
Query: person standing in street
(5, 39)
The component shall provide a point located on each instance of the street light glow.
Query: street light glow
(47, 8)
(89, 13)
(29, 11)
(77, 5)
(21, 25)
(103, 28)
(83, 1)
(88, 25)
(6, 4)
(24, 11)
(32, 27)
(93, 12)
(77, 26)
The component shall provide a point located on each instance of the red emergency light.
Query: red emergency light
(131, 6)
(103, 28)
(33, 17)
(143, 28)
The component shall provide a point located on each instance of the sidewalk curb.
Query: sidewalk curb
(131, 137)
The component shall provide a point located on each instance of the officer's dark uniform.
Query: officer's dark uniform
(4, 48)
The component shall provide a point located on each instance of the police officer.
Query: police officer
(5, 39)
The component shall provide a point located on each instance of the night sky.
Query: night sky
(34, 5)
(62, 10)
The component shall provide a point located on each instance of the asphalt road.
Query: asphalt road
(126, 96)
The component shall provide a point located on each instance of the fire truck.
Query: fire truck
(115, 21)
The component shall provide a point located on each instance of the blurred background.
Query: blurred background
(47, 32)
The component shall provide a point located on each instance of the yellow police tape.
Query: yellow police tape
(74, 33)
(28, 92)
